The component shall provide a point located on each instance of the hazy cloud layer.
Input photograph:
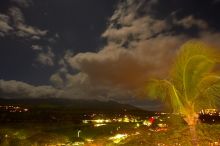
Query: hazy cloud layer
(18, 89)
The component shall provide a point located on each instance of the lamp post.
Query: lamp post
(78, 132)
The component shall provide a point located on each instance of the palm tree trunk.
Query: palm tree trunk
(193, 135)
(192, 120)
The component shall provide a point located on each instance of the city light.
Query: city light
(13, 109)
(78, 143)
(118, 138)
(147, 123)
(98, 121)
(162, 125)
(98, 125)
(126, 119)
(89, 140)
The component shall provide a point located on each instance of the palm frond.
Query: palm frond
(166, 91)
(193, 62)
(209, 92)
(191, 86)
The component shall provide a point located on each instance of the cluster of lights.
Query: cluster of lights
(147, 123)
(162, 125)
(97, 122)
(209, 112)
(125, 119)
(89, 140)
(98, 125)
(118, 138)
(162, 144)
(13, 109)
(178, 144)
(214, 143)
(161, 113)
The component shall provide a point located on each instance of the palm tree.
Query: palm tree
(192, 85)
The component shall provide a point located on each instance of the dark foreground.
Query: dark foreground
(38, 123)
(167, 130)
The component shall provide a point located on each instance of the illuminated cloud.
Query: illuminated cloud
(46, 58)
(18, 89)
(37, 47)
(139, 47)
(13, 22)
(56, 80)
(190, 21)
(22, 3)
(4, 24)
(22, 29)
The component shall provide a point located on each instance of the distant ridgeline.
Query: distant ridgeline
(67, 110)
(58, 110)
(74, 104)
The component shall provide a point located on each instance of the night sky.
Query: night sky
(96, 49)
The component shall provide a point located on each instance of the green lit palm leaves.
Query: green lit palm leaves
(192, 85)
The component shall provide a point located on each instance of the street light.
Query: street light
(78, 132)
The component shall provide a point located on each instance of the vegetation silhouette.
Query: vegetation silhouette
(192, 84)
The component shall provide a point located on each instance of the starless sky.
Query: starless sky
(96, 49)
